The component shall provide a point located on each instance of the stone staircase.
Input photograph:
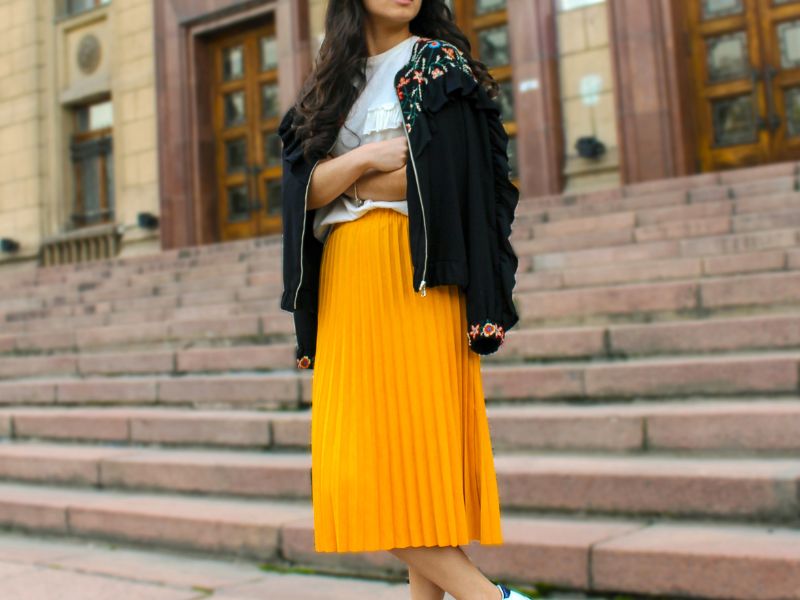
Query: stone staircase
(645, 413)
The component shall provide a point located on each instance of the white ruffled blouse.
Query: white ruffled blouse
(375, 116)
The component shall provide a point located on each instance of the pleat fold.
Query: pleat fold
(400, 441)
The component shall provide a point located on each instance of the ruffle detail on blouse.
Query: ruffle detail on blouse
(387, 115)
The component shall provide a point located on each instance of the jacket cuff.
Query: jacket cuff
(486, 337)
(305, 362)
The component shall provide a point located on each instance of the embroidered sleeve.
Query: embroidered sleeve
(305, 362)
(438, 72)
(486, 337)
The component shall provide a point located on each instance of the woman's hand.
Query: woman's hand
(383, 160)
(386, 155)
(385, 176)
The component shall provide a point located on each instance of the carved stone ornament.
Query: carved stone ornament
(89, 54)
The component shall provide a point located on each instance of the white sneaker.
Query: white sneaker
(510, 594)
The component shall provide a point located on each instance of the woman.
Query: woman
(401, 450)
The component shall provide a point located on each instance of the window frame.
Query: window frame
(81, 142)
(64, 9)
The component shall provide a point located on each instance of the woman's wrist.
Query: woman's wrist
(363, 158)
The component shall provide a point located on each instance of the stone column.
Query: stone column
(651, 111)
(536, 96)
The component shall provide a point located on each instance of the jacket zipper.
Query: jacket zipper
(422, 210)
(305, 212)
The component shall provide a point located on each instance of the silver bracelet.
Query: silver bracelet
(359, 202)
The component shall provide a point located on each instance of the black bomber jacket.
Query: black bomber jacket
(461, 201)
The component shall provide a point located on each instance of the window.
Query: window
(70, 8)
(485, 23)
(92, 164)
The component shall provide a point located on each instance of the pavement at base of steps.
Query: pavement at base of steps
(36, 567)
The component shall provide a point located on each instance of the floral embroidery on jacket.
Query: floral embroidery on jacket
(432, 59)
(487, 329)
(305, 362)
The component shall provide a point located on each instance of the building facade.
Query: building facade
(129, 126)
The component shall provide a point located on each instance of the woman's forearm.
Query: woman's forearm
(332, 176)
(381, 185)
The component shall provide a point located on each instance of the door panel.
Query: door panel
(780, 25)
(746, 69)
(245, 101)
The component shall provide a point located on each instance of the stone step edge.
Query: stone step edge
(764, 373)
(673, 229)
(678, 487)
(493, 366)
(654, 427)
(585, 554)
(569, 278)
(173, 360)
(603, 328)
(539, 256)
(144, 286)
(262, 318)
(722, 180)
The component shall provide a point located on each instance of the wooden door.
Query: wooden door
(246, 117)
(745, 57)
(780, 32)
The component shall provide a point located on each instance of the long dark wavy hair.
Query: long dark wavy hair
(327, 95)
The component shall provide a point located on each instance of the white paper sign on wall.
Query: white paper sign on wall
(573, 4)
(590, 87)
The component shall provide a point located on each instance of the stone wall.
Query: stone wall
(22, 167)
(133, 89)
(40, 86)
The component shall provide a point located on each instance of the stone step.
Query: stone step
(776, 180)
(685, 487)
(694, 426)
(182, 287)
(699, 295)
(181, 259)
(280, 390)
(666, 269)
(690, 427)
(248, 281)
(736, 334)
(68, 568)
(602, 237)
(687, 297)
(713, 219)
(734, 183)
(696, 559)
(261, 357)
(769, 373)
(155, 324)
(672, 337)
(773, 373)
(273, 327)
(234, 294)
(131, 308)
(649, 210)
(254, 328)
(97, 281)
(708, 246)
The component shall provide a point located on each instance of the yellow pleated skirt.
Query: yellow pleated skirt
(400, 440)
